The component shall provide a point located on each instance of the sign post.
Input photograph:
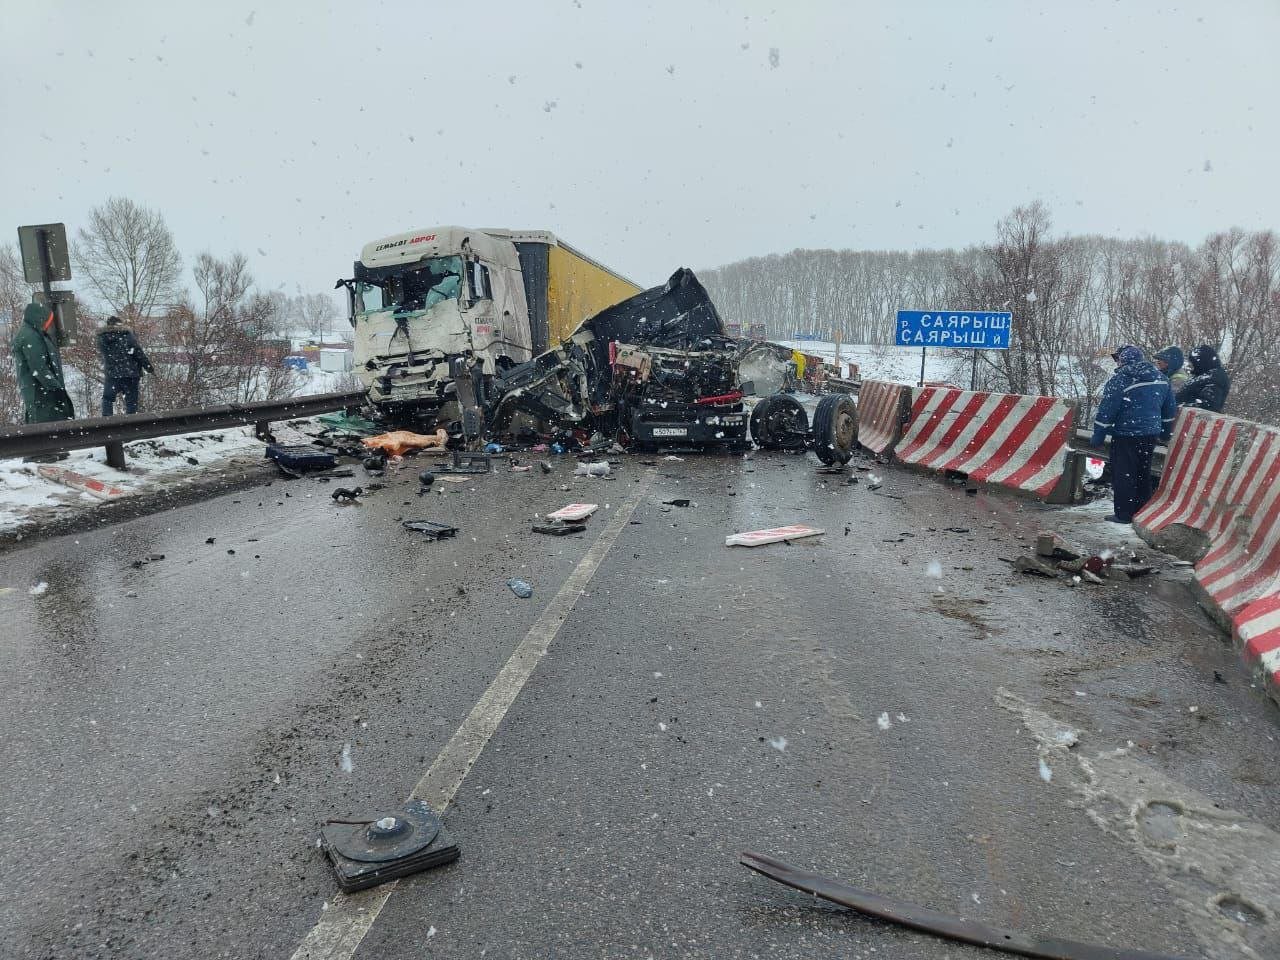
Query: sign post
(953, 329)
(45, 259)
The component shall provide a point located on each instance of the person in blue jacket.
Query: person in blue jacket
(1137, 410)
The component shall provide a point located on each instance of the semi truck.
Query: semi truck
(448, 309)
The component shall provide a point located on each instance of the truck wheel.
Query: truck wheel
(835, 428)
(778, 422)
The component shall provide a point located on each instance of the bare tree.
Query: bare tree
(315, 312)
(129, 258)
(14, 296)
(1235, 305)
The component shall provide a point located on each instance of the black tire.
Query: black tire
(835, 428)
(779, 422)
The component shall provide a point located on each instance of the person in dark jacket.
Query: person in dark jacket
(122, 364)
(1169, 361)
(1209, 383)
(1137, 409)
(39, 367)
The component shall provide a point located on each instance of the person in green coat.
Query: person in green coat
(35, 355)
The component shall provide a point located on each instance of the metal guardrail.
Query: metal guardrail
(61, 436)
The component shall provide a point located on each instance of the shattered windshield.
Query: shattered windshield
(421, 288)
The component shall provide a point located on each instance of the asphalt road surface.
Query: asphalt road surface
(888, 705)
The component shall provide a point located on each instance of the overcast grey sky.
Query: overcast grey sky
(649, 135)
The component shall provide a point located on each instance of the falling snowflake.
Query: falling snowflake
(778, 743)
(774, 57)
(344, 761)
(883, 721)
(1046, 772)
(38, 589)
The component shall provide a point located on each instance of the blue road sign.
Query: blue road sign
(967, 329)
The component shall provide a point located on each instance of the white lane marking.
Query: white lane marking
(347, 919)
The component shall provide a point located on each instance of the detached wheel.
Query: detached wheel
(778, 422)
(835, 428)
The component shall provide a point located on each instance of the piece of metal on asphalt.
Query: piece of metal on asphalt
(931, 921)
(340, 928)
(559, 528)
(431, 529)
(396, 843)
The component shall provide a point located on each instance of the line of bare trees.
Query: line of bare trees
(216, 340)
(1074, 299)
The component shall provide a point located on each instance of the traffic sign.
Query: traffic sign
(44, 253)
(966, 329)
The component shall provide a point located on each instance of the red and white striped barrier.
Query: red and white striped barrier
(1197, 473)
(1257, 631)
(1010, 439)
(880, 415)
(1243, 562)
(78, 481)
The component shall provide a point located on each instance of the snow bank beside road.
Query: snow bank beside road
(24, 494)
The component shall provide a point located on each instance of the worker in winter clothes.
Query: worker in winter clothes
(1209, 383)
(39, 367)
(122, 364)
(1169, 362)
(1137, 409)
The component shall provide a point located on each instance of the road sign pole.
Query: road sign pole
(973, 374)
(42, 242)
(922, 353)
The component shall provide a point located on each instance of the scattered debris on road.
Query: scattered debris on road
(758, 538)
(558, 528)
(915, 917)
(599, 469)
(520, 588)
(399, 442)
(367, 852)
(343, 495)
(574, 511)
(431, 529)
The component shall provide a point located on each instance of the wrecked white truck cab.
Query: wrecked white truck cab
(451, 306)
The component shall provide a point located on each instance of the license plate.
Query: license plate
(670, 431)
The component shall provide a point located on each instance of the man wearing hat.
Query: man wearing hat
(39, 367)
(122, 364)
(1137, 410)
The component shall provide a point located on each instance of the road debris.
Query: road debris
(367, 851)
(426, 478)
(600, 468)
(574, 511)
(520, 588)
(399, 442)
(757, 538)
(295, 459)
(1040, 568)
(343, 495)
(38, 589)
(78, 481)
(558, 528)
(431, 529)
(677, 502)
(468, 463)
(939, 924)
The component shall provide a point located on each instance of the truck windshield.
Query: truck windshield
(425, 285)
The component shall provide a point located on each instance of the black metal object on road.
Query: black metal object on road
(33, 439)
(931, 921)
(395, 844)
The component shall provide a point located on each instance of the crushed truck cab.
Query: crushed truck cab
(436, 306)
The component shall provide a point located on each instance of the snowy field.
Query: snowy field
(875, 362)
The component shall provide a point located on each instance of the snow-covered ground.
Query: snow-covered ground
(876, 362)
(152, 463)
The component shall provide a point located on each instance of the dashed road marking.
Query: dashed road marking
(347, 918)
